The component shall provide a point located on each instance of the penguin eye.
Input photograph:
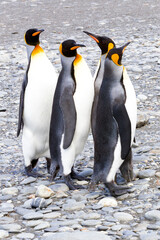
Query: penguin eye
(115, 59)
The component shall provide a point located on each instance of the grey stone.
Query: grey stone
(52, 215)
(10, 191)
(33, 223)
(89, 223)
(76, 236)
(23, 211)
(13, 227)
(42, 226)
(146, 173)
(34, 215)
(153, 215)
(44, 192)
(148, 236)
(72, 205)
(28, 180)
(25, 235)
(3, 234)
(59, 187)
(122, 216)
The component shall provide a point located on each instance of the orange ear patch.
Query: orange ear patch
(110, 46)
(115, 58)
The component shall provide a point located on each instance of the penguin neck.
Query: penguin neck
(29, 49)
(37, 50)
(112, 71)
(67, 61)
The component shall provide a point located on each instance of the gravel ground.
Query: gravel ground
(56, 212)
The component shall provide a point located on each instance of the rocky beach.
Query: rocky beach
(39, 209)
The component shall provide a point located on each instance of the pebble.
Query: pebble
(42, 226)
(3, 234)
(52, 215)
(59, 187)
(123, 217)
(34, 215)
(25, 235)
(73, 205)
(44, 192)
(153, 215)
(10, 191)
(28, 180)
(108, 202)
(146, 173)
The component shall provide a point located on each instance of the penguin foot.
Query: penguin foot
(127, 171)
(48, 164)
(92, 186)
(119, 179)
(30, 173)
(53, 169)
(78, 176)
(69, 182)
(116, 190)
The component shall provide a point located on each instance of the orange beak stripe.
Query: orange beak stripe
(75, 47)
(94, 38)
(36, 33)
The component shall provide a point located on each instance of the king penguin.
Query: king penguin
(115, 124)
(36, 104)
(105, 45)
(71, 111)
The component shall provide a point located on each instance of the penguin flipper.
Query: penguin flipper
(124, 125)
(69, 116)
(21, 106)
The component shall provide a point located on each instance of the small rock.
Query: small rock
(153, 215)
(33, 223)
(146, 173)
(72, 205)
(122, 216)
(44, 192)
(108, 202)
(142, 97)
(142, 120)
(3, 234)
(89, 223)
(158, 174)
(35, 215)
(148, 236)
(12, 228)
(87, 172)
(42, 226)
(28, 180)
(25, 235)
(59, 187)
(10, 191)
(52, 215)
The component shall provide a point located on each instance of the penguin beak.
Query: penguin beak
(77, 46)
(37, 33)
(124, 46)
(92, 36)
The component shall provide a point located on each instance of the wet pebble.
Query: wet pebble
(44, 192)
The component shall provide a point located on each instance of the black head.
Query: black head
(103, 42)
(115, 54)
(69, 48)
(32, 36)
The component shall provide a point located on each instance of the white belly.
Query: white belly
(39, 93)
(131, 103)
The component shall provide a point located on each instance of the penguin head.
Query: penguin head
(115, 54)
(32, 36)
(69, 47)
(103, 42)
